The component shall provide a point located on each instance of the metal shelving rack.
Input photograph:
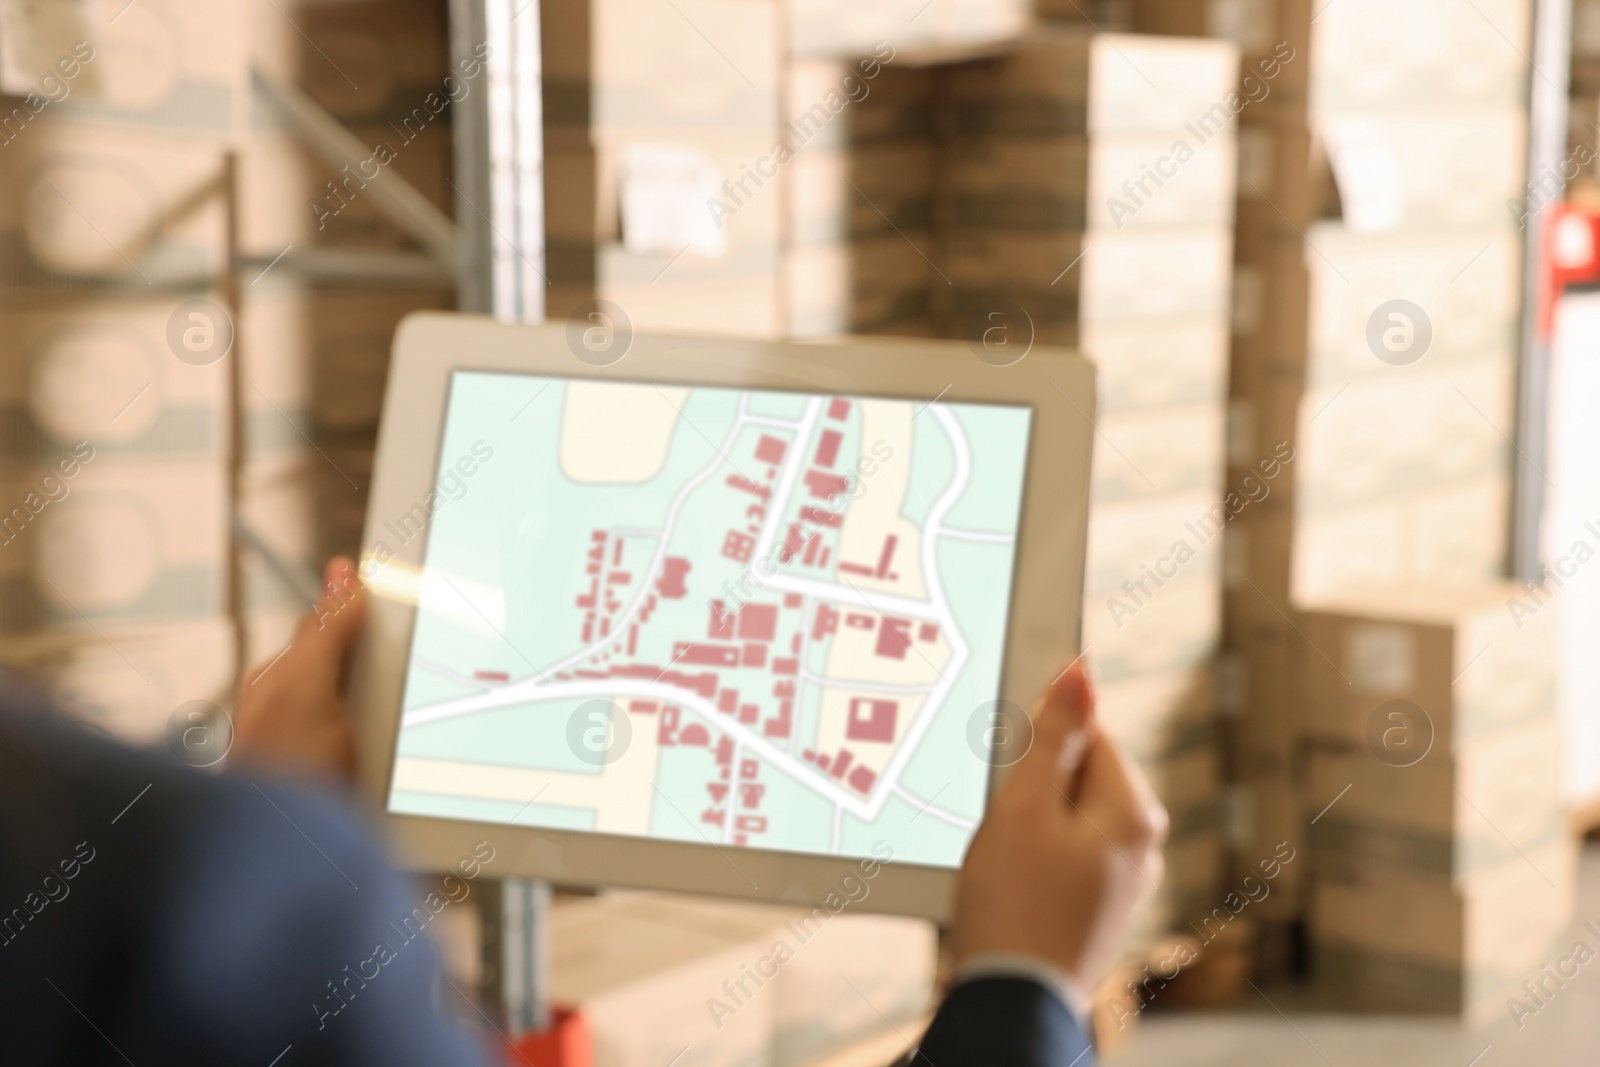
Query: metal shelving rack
(494, 253)
(1549, 84)
(499, 184)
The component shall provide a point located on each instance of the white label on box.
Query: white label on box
(1371, 189)
(668, 194)
(1380, 659)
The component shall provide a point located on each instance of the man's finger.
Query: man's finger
(1050, 764)
(326, 634)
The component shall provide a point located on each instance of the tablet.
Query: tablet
(717, 616)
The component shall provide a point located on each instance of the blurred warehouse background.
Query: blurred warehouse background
(1332, 258)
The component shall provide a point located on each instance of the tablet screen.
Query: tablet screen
(747, 618)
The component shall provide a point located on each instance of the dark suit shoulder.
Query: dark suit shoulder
(194, 917)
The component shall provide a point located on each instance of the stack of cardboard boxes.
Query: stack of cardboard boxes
(1443, 869)
(1062, 188)
(721, 983)
(1414, 300)
(114, 553)
(1086, 199)
(117, 144)
(1380, 344)
(651, 115)
(706, 176)
(1402, 518)
(860, 212)
(1277, 201)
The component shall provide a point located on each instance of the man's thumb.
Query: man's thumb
(335, 623)
(1058, 733)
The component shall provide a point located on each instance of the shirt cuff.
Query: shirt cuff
(1031, 968)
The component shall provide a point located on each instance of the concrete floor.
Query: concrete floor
(1565, 1032)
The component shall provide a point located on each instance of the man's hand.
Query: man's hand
(1068, 850)
(290, 712)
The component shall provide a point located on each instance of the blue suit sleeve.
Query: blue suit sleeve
(286, 926)
(1003, 1022)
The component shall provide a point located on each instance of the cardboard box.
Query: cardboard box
(288, 195)
(1272, 836)
(1109, 181)
(878, 285)
(1174, 273)
(1431, 53)
(177, 70)
(1456, 533)
(115, 544)
(102, 371)
(1177, 628)
(886, 98)
(1191, 887)
(1175, 537)
(364, 62)
(1376, 440)
(723, 275)
(129, 680)
(1189, 782)
(837, 27)
(1425, 170)
(645, 970)
(317, 360)
(814, 225)
(1157, 364)
(1063, 80)
(277, 499)
(1257, 561)
(1256, 27)
(1466, 283)
(621, 69)
(1476, 658)
(1392, 941)
(1065, 279)
(1263, 698)
(1154, 715)
(114, 206)
(860, 191)
(1158, 452)
(1451, 814)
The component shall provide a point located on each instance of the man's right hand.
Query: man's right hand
(1068, 850)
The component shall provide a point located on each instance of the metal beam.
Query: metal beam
(352, 268)
(340, 149)
(499, 145)
(1549, 84)
(499, 185)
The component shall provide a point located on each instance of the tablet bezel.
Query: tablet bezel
(1043, 626)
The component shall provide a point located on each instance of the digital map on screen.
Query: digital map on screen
(745, 618)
